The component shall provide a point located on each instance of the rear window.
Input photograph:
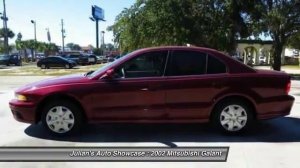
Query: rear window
(187, 63)
(215, 66)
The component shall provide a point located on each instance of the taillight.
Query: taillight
(288, 87)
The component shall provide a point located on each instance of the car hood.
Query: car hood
(68, 79)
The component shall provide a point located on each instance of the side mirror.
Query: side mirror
(108, 74)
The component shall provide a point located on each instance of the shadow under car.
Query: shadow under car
(284, 129)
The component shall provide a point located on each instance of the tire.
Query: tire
(43, 66)
(62, 118)
(232, 116)
(67, 66)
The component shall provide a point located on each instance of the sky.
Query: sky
(48, 14)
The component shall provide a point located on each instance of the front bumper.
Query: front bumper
(23, 111)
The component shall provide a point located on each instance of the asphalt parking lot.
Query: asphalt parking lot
(273, 143)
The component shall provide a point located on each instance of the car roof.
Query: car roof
(178, 48)
(235, 66)
(55, 57)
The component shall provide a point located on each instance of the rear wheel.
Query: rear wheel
(62, 117)
(232, 116)
(67, 66)
(43, 66)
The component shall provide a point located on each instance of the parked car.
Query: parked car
(100, 59)
(7, 60)
(78, 58)
(39, 56)
(73, 57)
(55, 61)
(262, 60)
(110, 59)
(158, 85)
(92, 59)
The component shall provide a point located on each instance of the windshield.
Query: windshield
(3, 57)
(108, 66)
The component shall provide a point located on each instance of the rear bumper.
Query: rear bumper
(278, 107)
(23, 111)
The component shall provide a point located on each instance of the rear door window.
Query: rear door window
(183, 63)
(215, 66)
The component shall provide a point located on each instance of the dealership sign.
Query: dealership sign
(97, 13)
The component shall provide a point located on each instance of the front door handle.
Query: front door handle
(144, 89)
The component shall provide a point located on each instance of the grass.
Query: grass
(291, 67)
(33, 70)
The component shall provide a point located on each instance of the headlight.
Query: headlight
(21, 97)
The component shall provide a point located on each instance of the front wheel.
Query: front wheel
(62, 117)
(232, 116)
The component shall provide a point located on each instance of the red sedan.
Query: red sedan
(158, 85)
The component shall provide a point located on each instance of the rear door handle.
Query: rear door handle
(144, 89)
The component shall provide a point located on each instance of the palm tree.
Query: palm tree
(51, 49)
(10, 33)
(21, 46)
(30, 44)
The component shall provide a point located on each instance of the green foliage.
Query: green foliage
(2, 49)
(281, 20)
(10, 33)
(19, 37)
(210, 23)
(294, 41)
(97, 51)
(46, 48)
(73, 46)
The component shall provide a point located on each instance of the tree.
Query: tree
(32, 45)
(294, 41)
(51, 49)
(19, 37)
(109, 47)
(10, 33)
(281, 20)
(73, 46)
(97, 51)
(21, 46)
(210, 23)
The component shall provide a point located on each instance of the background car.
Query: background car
(158, 85)
(78, 58)
(72, 57)
(55, 61)
(7, 60)
(262, 60)
(100, 59)
(110, 59)
(92, 59)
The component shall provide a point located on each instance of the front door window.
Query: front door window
(146, 65)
